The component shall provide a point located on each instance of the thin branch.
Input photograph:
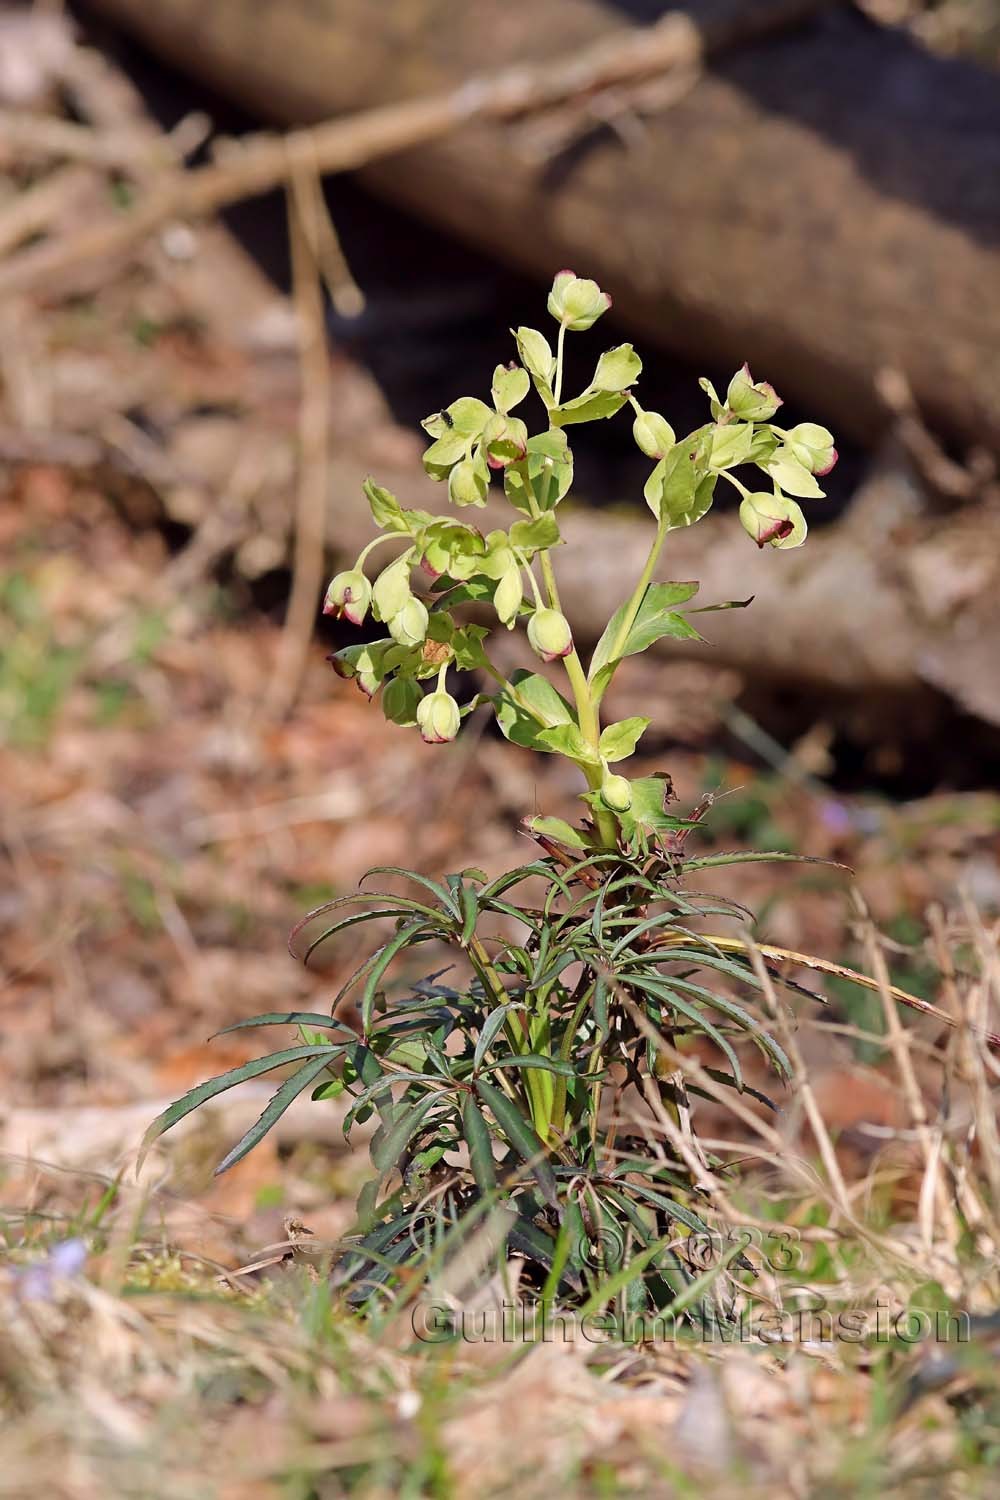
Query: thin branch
(314, 442)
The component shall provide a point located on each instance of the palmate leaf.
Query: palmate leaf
(528, 1239)
(286, 1095)
(522, 1137)
(373, 1091)
(669, 1206)
(230, 1080)
(408, 1119)
(374, 1241)
(721, 1077)
(288, 1018)
(399, 908)
(662, 991)
(748, 1023)
(437, 890)
(404, 938)
(757, 857)
(530, 1060)
(490, 1027)
(480, 1144)
(741, 1017)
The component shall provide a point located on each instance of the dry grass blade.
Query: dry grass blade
(838, 971)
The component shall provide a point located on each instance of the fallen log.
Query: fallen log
(825, 201)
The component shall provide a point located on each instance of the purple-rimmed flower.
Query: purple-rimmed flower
(576, 301)
(349, 595)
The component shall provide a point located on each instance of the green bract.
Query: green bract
(499, 1085)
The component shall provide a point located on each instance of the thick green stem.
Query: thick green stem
(635, 602)
(565, 1052)
(557, 387)
(517, 1032)
(586, 711)
(389, 536)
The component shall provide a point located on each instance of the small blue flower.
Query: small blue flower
(37, 1283)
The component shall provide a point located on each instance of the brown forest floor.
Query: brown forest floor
(161, 828)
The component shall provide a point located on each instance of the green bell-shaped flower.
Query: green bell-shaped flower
(813, 446)
(653, 434)
(468, 482)
(391, 589)
(773, 520)
(754, 402)
(349, 595)
(577, 302)
(438, 717)
(549, 634)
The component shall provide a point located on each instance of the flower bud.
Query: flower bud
(813, 446)
(392, 588)
(577, 302)
(653, 433)
(549, 634)
(349, 595)
(754, 403)
(505, 441)
(508, 596)
(468, 482)
(616, 793)
(409, 626)
(438, 717)
(773, 519)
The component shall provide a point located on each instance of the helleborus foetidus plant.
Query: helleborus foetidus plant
(513, 570)
(498, 1087)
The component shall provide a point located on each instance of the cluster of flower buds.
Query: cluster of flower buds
(390, 600)
(470, 438)
(471, 441)
(681, 487)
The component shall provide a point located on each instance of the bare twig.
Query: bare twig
(314, 438)
(44, 135)
(38, 207)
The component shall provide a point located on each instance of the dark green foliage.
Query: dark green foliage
(499, 1089)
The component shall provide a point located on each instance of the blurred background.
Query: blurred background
(209, 333)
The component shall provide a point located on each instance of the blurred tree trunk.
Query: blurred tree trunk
(825, 202)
